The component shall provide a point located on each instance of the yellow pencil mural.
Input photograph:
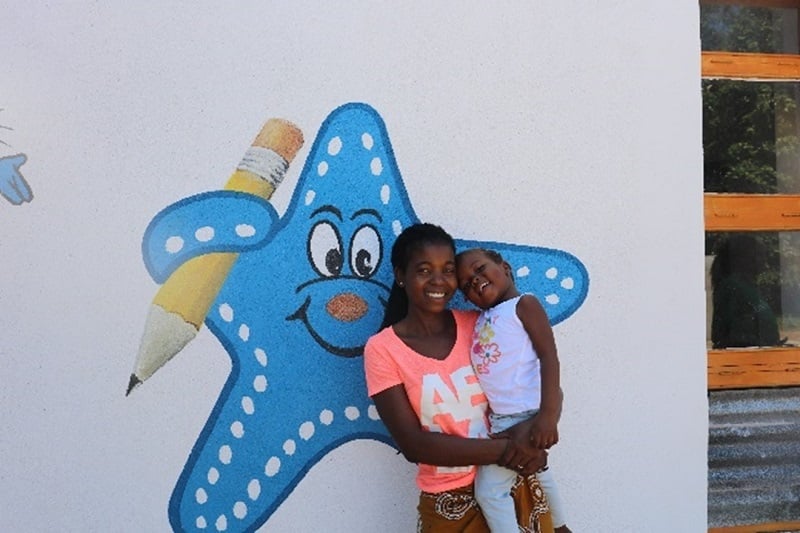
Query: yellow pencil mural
(182, 303)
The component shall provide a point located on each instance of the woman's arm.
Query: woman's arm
(420, 446)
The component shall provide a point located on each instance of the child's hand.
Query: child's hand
(544, 430)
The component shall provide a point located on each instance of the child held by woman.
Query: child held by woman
(514, 356)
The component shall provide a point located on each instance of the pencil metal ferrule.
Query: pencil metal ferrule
(264, 163)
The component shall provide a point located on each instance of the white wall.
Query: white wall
(574, 125)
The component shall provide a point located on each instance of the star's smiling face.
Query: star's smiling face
(344, 297)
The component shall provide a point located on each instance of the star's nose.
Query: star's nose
(347, 307)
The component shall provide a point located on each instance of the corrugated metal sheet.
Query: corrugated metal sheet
(754, 456)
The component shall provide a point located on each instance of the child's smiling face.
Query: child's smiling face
(484, 281)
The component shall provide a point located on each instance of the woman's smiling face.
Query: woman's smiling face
(429, 278)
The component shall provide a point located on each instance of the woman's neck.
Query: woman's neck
(421, 324)
(430, 335)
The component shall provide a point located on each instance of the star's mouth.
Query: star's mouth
(482, 286)
(343, 351)
(436, 295)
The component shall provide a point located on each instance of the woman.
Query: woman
(420, 378)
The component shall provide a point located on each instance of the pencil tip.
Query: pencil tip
(132, 383)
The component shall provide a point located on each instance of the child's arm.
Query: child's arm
(544, 430)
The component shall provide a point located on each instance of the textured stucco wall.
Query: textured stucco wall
(573, 125)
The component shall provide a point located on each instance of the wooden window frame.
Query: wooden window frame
(752, 367)
(755, 367)
(751, 212)
(775, 527)
(753, 3)
(749, 66)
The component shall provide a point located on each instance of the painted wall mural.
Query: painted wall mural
(292, 300)
(13, 186)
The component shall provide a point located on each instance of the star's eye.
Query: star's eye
(365, 251)
(325, 250)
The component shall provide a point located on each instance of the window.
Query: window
(751, 142)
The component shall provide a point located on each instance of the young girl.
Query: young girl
(514, 355)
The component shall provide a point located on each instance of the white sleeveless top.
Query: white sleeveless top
(505, 361)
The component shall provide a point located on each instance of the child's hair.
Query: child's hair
(409, 241)
(491, 254)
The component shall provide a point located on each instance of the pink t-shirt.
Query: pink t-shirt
(445, 394)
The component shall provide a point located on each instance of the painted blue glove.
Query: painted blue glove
(12, 185)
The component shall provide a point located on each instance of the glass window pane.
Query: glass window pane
(753, 289)
(751, 137)
(732, 28)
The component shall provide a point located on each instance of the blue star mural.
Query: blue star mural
(306, 292)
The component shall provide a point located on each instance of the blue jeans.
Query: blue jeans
(493, 485)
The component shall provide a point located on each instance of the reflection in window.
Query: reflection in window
(751, 137)
(732, 28)
(754, 289)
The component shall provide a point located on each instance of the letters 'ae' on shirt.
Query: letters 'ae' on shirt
(445, 395)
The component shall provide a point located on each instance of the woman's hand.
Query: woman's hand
(526, 462)
(535, 465)
(520, 454)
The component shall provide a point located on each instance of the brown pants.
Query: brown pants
(456, 511)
